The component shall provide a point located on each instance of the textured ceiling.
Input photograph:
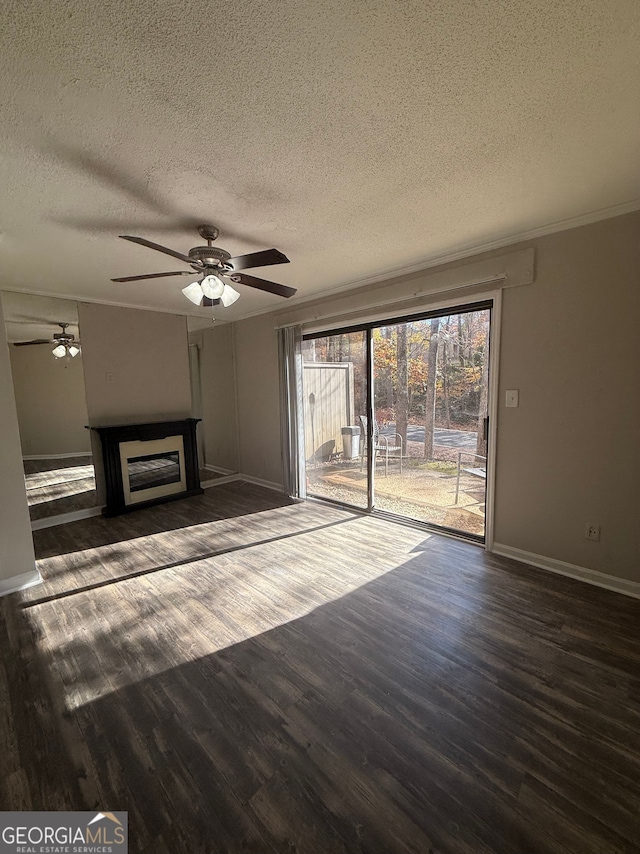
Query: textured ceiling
(357, 137)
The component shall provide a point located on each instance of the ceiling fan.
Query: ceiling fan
(66, 344)
(214, 265)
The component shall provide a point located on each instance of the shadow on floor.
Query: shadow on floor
(219, 503)
(359, 688)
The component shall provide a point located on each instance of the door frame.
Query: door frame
(437, 307)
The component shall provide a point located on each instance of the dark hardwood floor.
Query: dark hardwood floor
(56, 486)
(247, 675)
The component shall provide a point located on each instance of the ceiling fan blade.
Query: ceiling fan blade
(258, 259)
(35, 341)
(209, 302)
(155, 276)
(262, 284)
(159, 248)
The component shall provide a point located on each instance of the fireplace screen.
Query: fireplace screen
(151, 470)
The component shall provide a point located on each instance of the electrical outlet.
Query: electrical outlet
(109, 377)
(592, 532)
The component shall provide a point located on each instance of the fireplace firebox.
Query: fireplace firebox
(151, 470)
(145, 464)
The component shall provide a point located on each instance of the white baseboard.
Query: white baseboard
(268, 484)
(571, 570)
(55, 456)
(219, 470)
(219, 481)
(248, 478)
(64, 518)
(19, 582)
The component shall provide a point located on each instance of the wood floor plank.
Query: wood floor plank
(244, 674)
(55, 486)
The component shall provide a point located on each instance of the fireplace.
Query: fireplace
(145, 464)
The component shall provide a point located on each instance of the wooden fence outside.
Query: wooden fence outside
(331, 384)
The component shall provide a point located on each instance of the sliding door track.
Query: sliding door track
(406, 521)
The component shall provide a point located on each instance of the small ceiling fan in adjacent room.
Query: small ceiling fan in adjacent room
(213, 266)
(66, 344)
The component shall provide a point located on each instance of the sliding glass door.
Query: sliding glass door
(335, 402)
(431, 384)
(396, 417)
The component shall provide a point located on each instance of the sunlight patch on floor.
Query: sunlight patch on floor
(59, 490)
(49, 478)
(134, 628)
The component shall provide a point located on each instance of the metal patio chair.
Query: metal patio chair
(389, 446)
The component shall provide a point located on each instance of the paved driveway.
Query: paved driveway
(462, 439)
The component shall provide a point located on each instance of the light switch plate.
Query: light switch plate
(511, 397)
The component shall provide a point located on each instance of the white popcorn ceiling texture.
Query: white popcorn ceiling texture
(357, 137)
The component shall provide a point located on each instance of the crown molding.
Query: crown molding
(425, 264)
(97, 301)
(466, 252)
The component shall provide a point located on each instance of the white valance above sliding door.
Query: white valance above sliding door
(412, 293)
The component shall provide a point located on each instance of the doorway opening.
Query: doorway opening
(396, 417)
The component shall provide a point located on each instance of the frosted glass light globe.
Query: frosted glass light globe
(212, 287)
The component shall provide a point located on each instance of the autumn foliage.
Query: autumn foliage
(461, 349)
(455, 347)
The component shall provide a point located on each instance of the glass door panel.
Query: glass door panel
(335, 396)
(430, 403)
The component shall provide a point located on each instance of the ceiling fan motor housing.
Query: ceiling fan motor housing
(210, 256)
(209, 261)
(64, 336)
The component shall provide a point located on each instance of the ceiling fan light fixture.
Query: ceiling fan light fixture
(194, 293)
(212, 287)
(214, 264)
(229, 295)
(73, 350)
(60, 351)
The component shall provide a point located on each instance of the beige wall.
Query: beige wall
(16, 545)
(258, 398)
(136, 368)
(217, 378)
(569, 454)
(136, 365)
(50, 399)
